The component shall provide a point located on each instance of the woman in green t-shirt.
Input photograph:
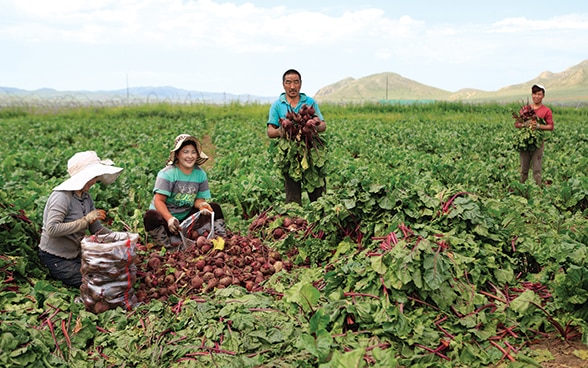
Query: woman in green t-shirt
(181, 189)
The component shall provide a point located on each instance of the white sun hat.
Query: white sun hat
(85, 166)
(539, 86)
(180, 139)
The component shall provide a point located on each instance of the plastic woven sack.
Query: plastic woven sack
(109, 271)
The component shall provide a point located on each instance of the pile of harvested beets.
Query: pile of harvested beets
(208, 264)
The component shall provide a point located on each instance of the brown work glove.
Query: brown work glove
(95, 215)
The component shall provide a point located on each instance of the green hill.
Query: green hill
(567, 87)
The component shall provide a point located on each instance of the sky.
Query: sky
(243, 47)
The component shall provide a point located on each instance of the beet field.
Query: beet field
(426, 250)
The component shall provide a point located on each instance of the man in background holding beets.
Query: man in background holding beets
(534, 159)
(292, 100)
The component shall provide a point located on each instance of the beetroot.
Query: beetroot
(218, 273)
(286, 124)
(226, 281)
(169, 279)
(201, 240)
(300, 221)
(154, 262)
(287, 221)
(267, 269)
(245, 262)
(200, 264)
(279, 233)
(211, 284)
(196, 282)
(301, 126)
(275, 255)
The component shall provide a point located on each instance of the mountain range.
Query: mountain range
(567, 87)
(134, 95)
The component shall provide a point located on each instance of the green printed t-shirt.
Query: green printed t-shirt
(181, 189)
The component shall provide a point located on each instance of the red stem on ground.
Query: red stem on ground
(492, 296)
(422, 302)
(64, 330)
(446, 205)
(506, 354)
(52, 329)
(177, 309)
(436, 351)
(438, 323)
(99, 351)
(384, 288)
(177, 340)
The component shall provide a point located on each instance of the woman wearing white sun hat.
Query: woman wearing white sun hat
(70, 212)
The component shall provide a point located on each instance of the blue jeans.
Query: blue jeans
(63, 269)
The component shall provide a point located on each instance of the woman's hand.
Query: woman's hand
(173, 224)
(205, 206)
(94, 216)
(201, 204)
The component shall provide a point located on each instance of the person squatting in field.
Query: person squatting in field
(292, 100)
(70, 212)
(534, 158)
(181, 190)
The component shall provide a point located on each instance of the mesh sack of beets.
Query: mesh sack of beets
(109, 271)
(196, 225)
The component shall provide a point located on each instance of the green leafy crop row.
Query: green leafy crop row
(425, 251)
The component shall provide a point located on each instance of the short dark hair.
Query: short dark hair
(291, 71)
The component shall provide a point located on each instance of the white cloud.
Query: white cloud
(524, 25)
(325, 42)
(197, 23)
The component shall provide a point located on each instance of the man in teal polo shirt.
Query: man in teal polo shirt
(292, 100)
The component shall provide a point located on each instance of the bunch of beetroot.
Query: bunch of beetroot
(207, 265)
(277, 227)
(527, 139)
(525, 114)
(301, 125)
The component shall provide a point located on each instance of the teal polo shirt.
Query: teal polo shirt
(280, 108)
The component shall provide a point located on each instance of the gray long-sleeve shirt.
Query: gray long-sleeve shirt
(63, 226)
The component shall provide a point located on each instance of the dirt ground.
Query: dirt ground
(553, 352)
(210, 149)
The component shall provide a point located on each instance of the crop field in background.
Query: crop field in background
(425, 251)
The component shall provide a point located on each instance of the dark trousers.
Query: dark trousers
(63, 269)
(294, 191)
